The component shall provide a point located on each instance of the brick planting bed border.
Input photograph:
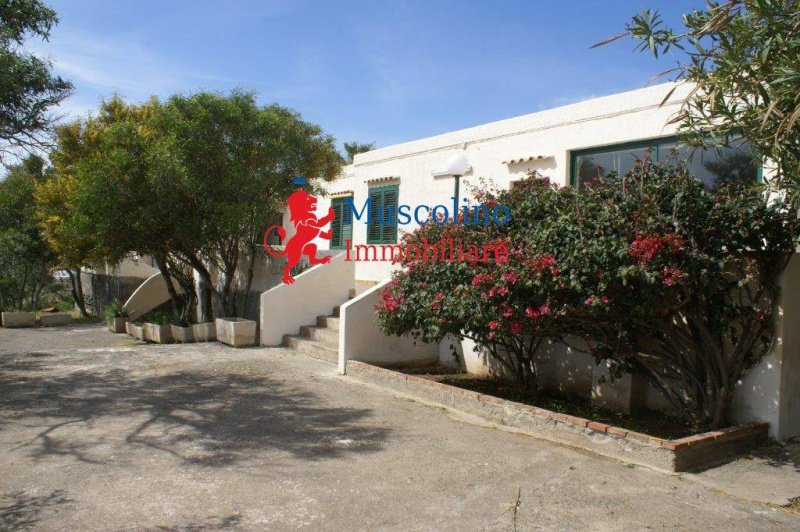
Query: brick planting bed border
(684, 454)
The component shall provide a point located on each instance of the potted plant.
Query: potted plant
(116, 316)
(236, 332)
(182, 331)
(157, 329)
(204, 332)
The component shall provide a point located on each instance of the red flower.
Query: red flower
(494, 325)
(516, 327)
(532, 313)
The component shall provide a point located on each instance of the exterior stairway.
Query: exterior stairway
(319, 341)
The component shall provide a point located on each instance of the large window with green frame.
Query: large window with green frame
(342, 224)
(382, 227)
(710, 165)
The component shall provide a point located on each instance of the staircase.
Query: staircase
(319, 341)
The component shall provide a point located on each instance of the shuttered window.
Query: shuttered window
(342, 225)
(382, 228)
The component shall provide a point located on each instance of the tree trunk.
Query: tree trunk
(250, 272)
(164, 268)
(77, 290)
(206, 308)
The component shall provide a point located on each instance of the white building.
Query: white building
(565, 144)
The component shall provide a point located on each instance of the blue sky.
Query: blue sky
(383, 71)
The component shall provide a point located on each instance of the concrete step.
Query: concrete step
(331, 322)
(323, 335)
(311, 348)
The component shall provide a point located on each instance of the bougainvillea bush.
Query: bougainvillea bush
(649, 270)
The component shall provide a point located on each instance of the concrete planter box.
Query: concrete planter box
(236, 332)
(685, 454)
(183, 335)
(118, 325)
(19, 319)
(204, 332)
(57, 318)
(136, 330)
(159, 334)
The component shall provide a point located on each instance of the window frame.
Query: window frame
(652, 143)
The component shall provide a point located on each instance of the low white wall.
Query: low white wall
(362, 339)
(771, 390)
(287, 307)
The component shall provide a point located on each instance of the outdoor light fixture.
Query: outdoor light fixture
(456, 166)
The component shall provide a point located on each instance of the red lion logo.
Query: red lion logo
(302, 206)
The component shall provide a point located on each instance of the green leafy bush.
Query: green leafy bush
(650, 271)
(115, 310)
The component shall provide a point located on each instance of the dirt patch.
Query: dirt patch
(646, 421)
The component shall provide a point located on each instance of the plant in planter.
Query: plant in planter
(157, 329)
(236, 332)
(117, 316)
(182, 331)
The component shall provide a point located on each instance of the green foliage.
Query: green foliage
(25, 258)
(651, 271)
(158, 318)
(741, 58)
(351, 149)
(27, 86)
(116, 310)
(192, 181)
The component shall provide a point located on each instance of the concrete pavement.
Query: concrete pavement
(99, 432)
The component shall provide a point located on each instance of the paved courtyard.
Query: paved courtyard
(100, 432)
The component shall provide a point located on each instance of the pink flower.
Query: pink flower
(516, 327)
(544, 310)
(493, 325)
(509, 312)
(510, 277)
(532, 313)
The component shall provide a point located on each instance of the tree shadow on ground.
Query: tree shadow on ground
(20, 510)
(203, 418)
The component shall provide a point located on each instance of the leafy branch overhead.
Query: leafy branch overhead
(28, 88)
(740, 59)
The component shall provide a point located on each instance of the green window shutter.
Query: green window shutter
(336, 225)
(374, 226)
(389, 230)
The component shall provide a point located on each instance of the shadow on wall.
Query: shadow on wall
(202, 418)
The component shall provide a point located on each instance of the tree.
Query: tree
(238, 160)
(25, 258)
(353, 148)
(740, 56)
(192, 181)
(28, 88)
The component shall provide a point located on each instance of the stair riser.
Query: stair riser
(311, 349)
(330, 322)
(329, 337)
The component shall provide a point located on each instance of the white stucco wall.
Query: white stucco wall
(624, 117)
(362, 339)
(315, 292)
